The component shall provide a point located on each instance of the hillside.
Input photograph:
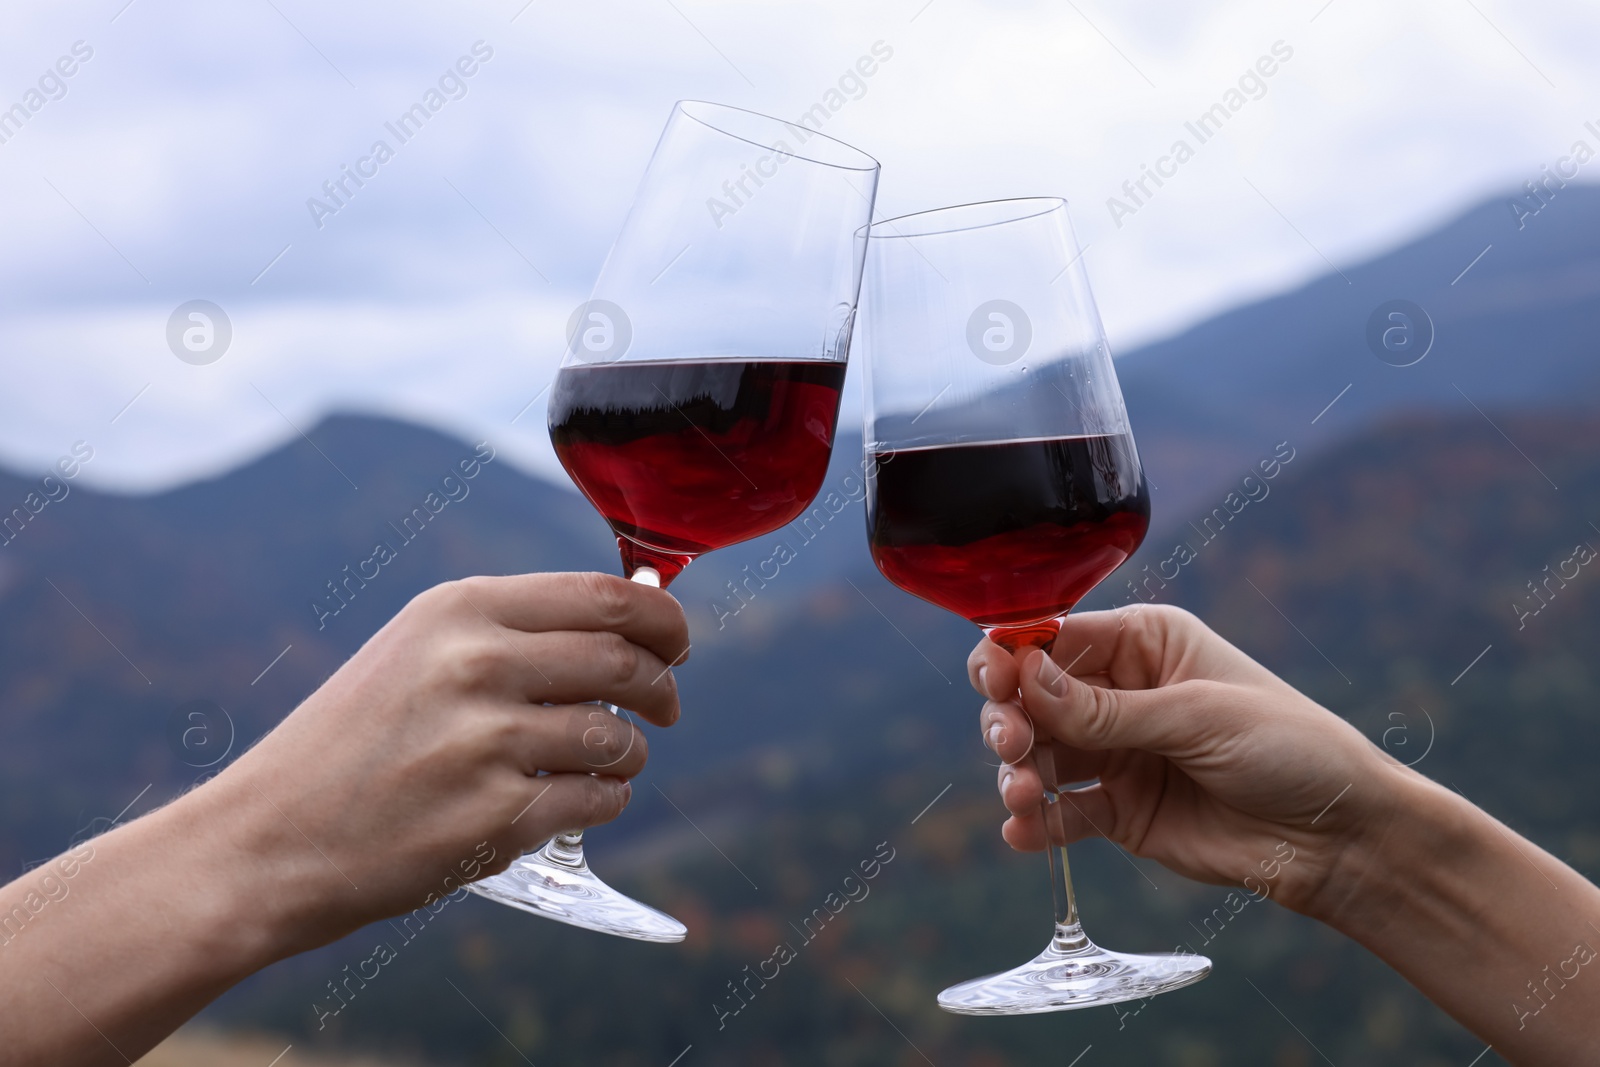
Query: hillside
(817, 728)
(1512, 329)
(1400, 573)
(115, 611)
(1386, 571)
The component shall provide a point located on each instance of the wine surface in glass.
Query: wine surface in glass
(685, 457)
(1009, 535)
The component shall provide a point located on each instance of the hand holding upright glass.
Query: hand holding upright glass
(697, 398)
(1004, 485)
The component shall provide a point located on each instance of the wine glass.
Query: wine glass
(697, 398)
(1003, 485)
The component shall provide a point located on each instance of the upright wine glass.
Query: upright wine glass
(696, 402)
(1003, 486)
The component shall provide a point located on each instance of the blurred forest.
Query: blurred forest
(815, 736)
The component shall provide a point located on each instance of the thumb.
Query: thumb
(1166, 721)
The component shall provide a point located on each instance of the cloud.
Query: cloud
(179, 164)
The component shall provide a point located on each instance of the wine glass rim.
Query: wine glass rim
(690, 107)
(980, 214)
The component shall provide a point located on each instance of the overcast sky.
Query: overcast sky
(175, 163)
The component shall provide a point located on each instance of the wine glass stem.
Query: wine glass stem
(566, 848)
(1069, 935)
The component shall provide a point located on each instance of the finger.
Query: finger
(1012, 736)
(992, 671)
(1020, 789)
(1022, 786)
(1079, 814)
(558, 803)
(1073, 765)
(1025, 833)
(1136, 646)
(534, 603)
(1168, 721)
(1007, 730)
(1090, 644)
(1089, 641)
(573, 667)
(581, 738)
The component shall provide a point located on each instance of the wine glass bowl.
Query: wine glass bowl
(1009, 535)
(1003, 485)
(699, 392)
(685, 457)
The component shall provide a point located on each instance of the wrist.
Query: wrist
(1484, 923)
(245, 878)
(1404, 857)
(148, 923)
(211, 881)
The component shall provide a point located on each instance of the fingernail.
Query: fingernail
(627, 792)
(1053, 678)
(1005, 780)
(983, 682)
(997, 733)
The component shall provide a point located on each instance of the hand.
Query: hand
(1206, 761)
(452, 742)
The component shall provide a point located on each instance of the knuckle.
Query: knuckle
(665, 686)
(497, 737)
(1203, 694)
(474, 586)
(610, 597)
(451, 600)
(1153, 626)
(608, 743)
(468, 747)
(680, 624)
(598, 743)
(471, 664)
(599, 800)
(465, 597)
(634, 747)
(1159, 620)
(1173, 617)
(1097, 715)
(615, 660)
(434, 599)
(511, 796)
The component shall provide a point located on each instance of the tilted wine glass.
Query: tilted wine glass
(1003, 485)
(698, 394)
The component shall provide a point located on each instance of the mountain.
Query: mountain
(1385, 569)
(1387, 577)
(116, 611)
(821, 721)
(1512, 298)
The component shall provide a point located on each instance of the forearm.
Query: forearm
(322, 828)
(1493, 929)
(103, 956)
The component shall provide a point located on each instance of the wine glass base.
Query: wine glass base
(1061, 979)
(573, 895)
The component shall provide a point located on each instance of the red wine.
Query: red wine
(682, 458)
(1008, 535)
